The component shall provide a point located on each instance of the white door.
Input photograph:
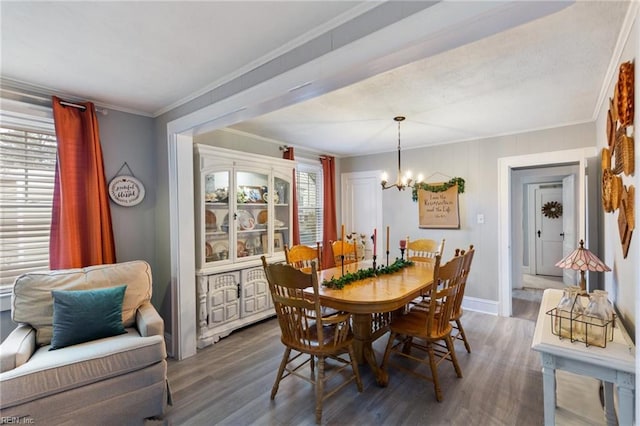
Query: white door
(569, 244)
(548, 233)
(362, 206)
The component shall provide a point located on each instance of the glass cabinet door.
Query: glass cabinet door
(252, 214)
(216, 215)
(281, 214)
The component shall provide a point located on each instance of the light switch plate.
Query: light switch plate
(480, 218)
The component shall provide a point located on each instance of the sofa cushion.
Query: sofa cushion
(32, 302)
(83, 315)
(50, 372)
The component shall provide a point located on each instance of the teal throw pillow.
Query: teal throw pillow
(84, 315)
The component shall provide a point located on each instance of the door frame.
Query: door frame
(505, 243)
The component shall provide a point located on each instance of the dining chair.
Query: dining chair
(347, 249)
(467, 258)
(301, 256)
(304, 331)
(424, 249)
(428, 330)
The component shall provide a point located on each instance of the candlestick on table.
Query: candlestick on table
(403, 247)
(387, 238)
(342, 233)
(375, 240)
(387, 245)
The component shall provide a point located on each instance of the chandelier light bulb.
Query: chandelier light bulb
(385, 177)
(420, 178)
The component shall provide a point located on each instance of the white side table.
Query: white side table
(614, 365)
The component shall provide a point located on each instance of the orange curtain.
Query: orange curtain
(288, 155)
(81, 233)
(329, 233)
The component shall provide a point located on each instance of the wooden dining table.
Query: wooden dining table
(373, 301)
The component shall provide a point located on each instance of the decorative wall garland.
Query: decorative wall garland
(348, 278)
(438, 187)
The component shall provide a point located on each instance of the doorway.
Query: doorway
(514, 172)
(543, 223)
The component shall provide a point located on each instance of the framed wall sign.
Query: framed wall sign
(438, 210)
(126, 191)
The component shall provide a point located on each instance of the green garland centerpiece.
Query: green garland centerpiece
(441, 187)
(361, 274)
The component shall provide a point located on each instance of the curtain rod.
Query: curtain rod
(65, 103)
(82, 107)
(48, 101)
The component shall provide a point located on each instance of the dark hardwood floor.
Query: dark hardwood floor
(229, 383)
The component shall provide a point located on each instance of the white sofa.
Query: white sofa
(113, 380)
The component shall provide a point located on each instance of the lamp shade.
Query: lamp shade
(582, 259)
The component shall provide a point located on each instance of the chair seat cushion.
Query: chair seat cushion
(51, 372)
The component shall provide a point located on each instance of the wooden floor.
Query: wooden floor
(229, 383)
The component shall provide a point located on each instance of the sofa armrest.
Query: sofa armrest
(17, 348)
(149, 321)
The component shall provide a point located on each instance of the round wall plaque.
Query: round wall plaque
(126, 191)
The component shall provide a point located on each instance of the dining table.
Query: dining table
(373, 301)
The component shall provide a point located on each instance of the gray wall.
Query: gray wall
(477, 163)
(131, 138)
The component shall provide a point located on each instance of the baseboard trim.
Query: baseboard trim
(484, 306)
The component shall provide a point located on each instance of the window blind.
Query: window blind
(27, 166)
(310, 203)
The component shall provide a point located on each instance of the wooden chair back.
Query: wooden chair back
(297, 311)
(446, 280)
(424, 249)
(467, 258)
(301, 257)
(349, 250)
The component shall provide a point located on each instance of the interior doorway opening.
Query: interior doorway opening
(514, 174)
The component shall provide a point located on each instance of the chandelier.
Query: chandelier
(402, 181)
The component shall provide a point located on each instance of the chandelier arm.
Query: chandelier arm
(400, 183)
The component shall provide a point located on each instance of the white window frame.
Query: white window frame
(311, 167)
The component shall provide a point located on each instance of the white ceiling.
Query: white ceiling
(144, 56)
(542, 74)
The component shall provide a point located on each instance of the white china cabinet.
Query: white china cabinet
(243, 211)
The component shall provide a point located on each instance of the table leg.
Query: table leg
(626, 391)
(362, 344)
(549, 389)
(609, 409)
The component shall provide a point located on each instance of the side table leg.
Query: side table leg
(609, 408)
(626, 390)
(549, 389)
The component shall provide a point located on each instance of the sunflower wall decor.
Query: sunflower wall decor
(552, 209)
